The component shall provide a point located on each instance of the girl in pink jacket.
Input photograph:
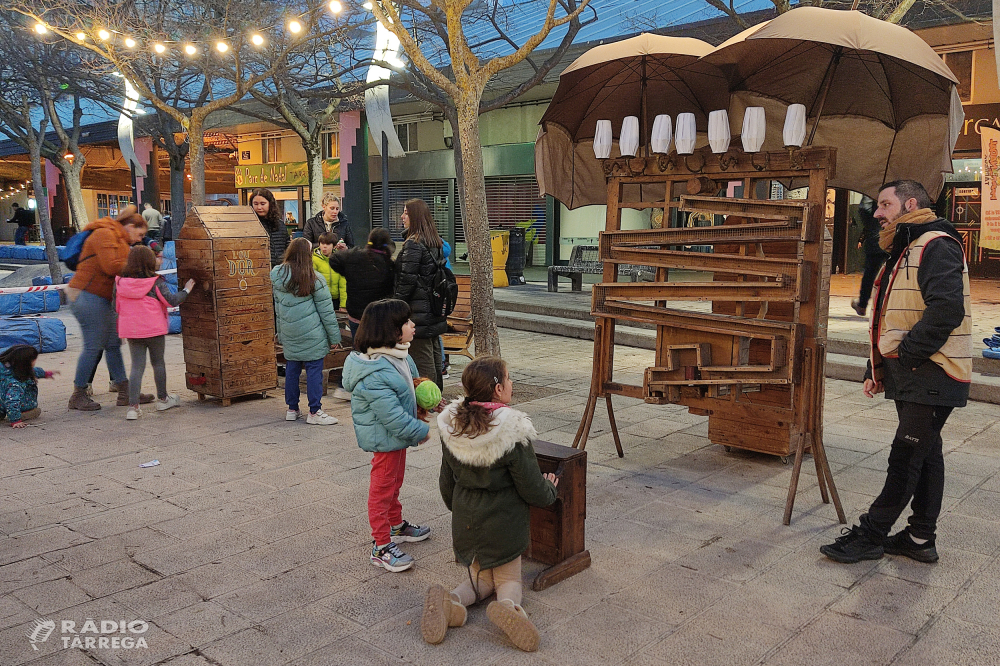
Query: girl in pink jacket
(141, 301)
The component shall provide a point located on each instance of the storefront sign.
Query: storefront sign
(977, 116)
(989, 234)
(284, 174)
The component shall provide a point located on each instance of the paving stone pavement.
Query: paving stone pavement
(248, 544)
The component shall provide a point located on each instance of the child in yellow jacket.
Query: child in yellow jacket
(321, 264)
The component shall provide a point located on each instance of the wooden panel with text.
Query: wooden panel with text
(228, 321)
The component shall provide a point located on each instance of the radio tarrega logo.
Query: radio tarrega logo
(92, 634)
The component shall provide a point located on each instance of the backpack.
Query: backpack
(444, 291)
(74, 246)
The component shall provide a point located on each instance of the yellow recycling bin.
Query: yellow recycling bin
(500, 244)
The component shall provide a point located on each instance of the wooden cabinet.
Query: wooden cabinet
(557, 530)
(228, 320)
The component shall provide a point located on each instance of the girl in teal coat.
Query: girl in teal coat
(18, 385)
(384, 410)
(489, 479)
(307, 328)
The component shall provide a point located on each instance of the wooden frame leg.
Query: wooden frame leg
(580, 441)
(614, 427)
(793, 486)
(819, 452)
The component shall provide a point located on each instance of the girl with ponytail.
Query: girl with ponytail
(489, 479)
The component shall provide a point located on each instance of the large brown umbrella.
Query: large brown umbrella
(872, 89)
(643, 76)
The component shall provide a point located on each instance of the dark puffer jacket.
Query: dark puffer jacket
(278, 240)
(315, 226)
(369, 274)
(416, 266)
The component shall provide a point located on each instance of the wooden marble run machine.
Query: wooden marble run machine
(747, 346)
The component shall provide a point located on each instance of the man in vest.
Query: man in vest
(921, 356)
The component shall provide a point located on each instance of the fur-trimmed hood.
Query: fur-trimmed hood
(511, 428)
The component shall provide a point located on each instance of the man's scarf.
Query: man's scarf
(921, 216)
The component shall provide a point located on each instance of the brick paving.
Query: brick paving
(248, 543)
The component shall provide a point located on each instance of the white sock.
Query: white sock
(917, 541)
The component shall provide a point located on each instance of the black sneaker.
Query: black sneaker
(856, 306)
(852, 547)
(900, 543)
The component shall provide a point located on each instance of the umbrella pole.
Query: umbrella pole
(831, 71)
(643, 116)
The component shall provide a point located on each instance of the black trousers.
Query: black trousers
(873, 262)
(916, 472)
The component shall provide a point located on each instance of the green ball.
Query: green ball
(428, 395)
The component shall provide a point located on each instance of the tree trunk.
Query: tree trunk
(74, 192)
(477, 233)
(314, 158)
(178, 210)
(451, 116)
(196, 139)
(42, 205)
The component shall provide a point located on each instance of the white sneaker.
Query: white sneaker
(292, 415)
(320, 418)
(341, 394)
(172, 400)
(133, 413)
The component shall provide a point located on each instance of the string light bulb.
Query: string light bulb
(257, 40)
(104, 34)
(294, 27)
(159, 48)
(221, 47)
(190, 49)
(335, 6)
(40, 28)
(81, 36)
(129, 42)
(367, 6)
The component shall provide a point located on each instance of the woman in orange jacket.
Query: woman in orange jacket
(101, 259)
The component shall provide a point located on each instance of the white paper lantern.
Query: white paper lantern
(795, 125)
(602, 139)
(718, 131)
(628, 141)
(686, 133)
(754, 127)
(661, 135)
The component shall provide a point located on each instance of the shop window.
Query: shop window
(331, 145)
(270, 150)
(960, 63)
(407, 134)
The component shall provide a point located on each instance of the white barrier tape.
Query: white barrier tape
(54, 287)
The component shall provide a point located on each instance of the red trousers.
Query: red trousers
(384, 509)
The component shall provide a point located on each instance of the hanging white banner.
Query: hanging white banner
(989, 232)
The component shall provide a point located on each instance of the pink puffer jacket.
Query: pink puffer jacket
(140, 315)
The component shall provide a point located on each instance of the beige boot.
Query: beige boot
(441, 610)
(144, 398)
(32, 413)
(514, 622)
(80, 400)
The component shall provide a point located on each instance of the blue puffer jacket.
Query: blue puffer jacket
(383, 407)
(307, 325)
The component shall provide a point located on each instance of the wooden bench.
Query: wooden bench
(586, 259)
(458, 339)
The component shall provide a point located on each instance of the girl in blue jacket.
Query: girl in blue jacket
(384, 409)
(18, 385)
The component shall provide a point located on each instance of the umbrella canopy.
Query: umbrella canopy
(872, 89)
(643, 76)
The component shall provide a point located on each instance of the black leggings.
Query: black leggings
(137, 349)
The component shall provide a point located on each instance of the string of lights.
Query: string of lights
(191, 48)
(14, 190)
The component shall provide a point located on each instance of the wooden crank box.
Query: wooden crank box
(228, 320)
(557, 531)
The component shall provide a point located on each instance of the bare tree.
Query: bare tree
(213, 66)
(60, 81)
(448, 70)
(316, 80)
(892, 11)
